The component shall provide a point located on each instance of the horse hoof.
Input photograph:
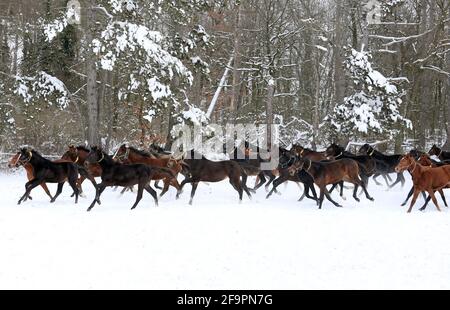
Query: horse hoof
(371, 199)
(357, 199)
(344, 198)
(403, 204)
(339, 206)
(52, 201)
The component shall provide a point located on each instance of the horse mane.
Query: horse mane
(140, 152)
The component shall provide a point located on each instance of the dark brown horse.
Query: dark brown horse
(326, 173)
(46, 171)
(135, 156)
(425, 179)
(204, 170)
(14, 162)
(117, 174)
(385, 164)
(442, 155)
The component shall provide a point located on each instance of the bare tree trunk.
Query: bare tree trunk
(339, 76)
(237, 61)
(91, 87)
(269, 110)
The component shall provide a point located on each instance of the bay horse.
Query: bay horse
(118, 174)
(389, 161)
(367, 164)
(326, 173)
(442, 155)
(425, 179)
(14, 162)
(47, 171)
(205, 170)
(135, 156)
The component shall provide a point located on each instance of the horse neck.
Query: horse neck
(416, 171)
(82, 155)
(106, 162)
(37, 159)
(136, 157)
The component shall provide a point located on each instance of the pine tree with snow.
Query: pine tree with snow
(373, 108)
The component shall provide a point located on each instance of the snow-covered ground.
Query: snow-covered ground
(218, 243)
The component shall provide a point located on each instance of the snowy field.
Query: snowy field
(218, 243)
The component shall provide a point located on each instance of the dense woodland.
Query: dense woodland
(132, 70)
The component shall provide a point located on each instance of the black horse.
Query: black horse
(442, 155)
(286, 159)
(117, 174)
(389, 162)
(199, 169)
(49, 172)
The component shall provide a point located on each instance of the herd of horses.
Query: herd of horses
(129, 166)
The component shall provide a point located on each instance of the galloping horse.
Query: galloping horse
(442, 155)
(389, 164)
(117, 174)
(46, 171)
(204, 170)
(424, 178)
(14, 162)
(135, 156)
(326, 173)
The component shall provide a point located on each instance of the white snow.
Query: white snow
(219, 244)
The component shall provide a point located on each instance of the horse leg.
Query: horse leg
(243, 184)
(427, 200)
(99, 190)
(28, 187)
(433, 197)
(322, 193)
(152, 192)
(407, 197)
(441, 192)
(313, 190)
(79, 182)
(330, 199)
(413, 201)
(386, 180)
(276, 183)
(375, 179)
(398, 180)
(156, 185)
(238, 187)
(194, 188)
(59, 191)
(139, 194)
(44, 186)
(165, 188)
(262, 180)
(355, 192)
(76, 190)
(271, 180)
(365, 192)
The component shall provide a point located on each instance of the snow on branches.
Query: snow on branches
(374, 106)
(42, 86)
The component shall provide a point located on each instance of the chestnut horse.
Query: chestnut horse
(326, 173)
(78, 156)
(424, 178)
(135, 156)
